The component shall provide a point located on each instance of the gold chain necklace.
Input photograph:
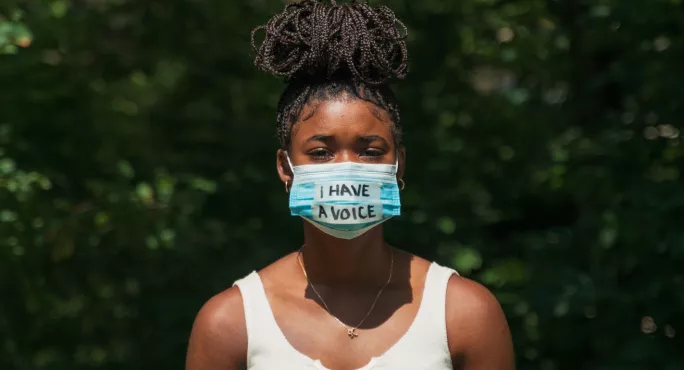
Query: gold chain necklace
(351, 331)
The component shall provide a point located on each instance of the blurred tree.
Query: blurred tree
(136, 173)
(13, 33)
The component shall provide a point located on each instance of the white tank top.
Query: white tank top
(423, 346)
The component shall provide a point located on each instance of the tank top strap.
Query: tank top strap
(263, 333)
(428, 334)
(432, 310)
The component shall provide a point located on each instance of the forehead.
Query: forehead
(342, 118)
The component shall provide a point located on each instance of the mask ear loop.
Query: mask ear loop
(289, 162)
(287, 183)
(396, 166)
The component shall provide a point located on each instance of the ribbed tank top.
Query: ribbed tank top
(423, 346)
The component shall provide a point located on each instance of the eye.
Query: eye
(372, 153)
(320, 154)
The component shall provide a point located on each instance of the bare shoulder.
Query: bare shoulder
(469, 302)
(219, 334)
(478, 334)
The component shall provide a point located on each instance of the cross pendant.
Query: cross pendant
(351, 332)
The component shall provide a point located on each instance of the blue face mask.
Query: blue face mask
(345, 199)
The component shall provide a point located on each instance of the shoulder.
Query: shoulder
(219, 334)
(467, 299)
(477, 331)
(223, 313)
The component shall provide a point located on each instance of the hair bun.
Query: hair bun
(314, 40)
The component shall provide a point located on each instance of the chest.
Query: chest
(308, 327)
(406, 330)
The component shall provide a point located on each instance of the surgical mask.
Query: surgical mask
(347, 199)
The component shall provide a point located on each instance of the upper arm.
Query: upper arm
(477, 331)
(219, 334)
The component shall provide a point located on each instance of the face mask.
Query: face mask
(345, 199)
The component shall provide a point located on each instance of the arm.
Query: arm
(477, 331)
(219, 335)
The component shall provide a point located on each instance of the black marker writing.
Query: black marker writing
(345, 213)
(359, 190)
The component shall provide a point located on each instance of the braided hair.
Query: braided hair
(328, 51)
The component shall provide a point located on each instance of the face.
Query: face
(341, 130)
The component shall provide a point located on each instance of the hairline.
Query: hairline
(347, 93)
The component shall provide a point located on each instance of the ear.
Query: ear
(401, 153)
(283, 167)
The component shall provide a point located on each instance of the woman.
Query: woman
(345, 299)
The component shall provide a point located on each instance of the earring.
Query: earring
(287, 186)
(403, 184)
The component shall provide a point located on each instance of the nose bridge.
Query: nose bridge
(346, 155)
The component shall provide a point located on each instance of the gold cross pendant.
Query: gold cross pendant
(351, 332)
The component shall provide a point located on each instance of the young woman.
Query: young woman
(345, 299)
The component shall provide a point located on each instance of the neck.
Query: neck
(364, 260)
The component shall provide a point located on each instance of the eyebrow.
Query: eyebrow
(367, 139)
(371, 138)
(321, 138)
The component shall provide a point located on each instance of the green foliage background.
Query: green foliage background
(137, 177)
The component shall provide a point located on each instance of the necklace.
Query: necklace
(351, 330)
